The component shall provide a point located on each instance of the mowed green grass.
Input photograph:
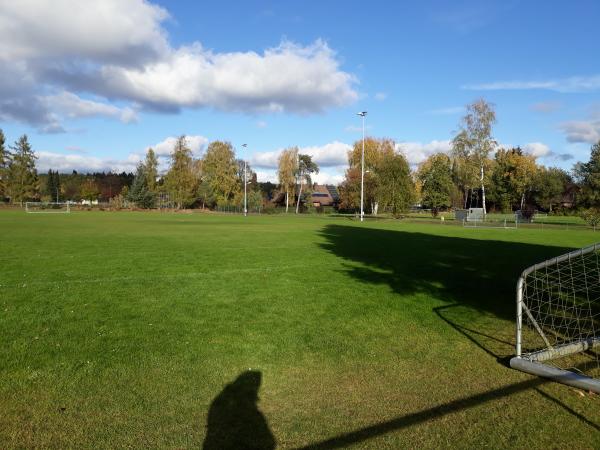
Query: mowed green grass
(120, 329)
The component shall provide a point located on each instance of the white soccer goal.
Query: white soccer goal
(47, 207)
(558, 319)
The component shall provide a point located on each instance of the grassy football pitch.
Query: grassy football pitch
(139, 329)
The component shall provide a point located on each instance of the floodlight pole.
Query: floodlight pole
(362, 168)
(245, 185)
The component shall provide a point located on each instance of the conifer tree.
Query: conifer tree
(140, 193)
(53, 186)
(23, 183)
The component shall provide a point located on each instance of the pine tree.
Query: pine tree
(23, 183)
(53, 186)
(140, 193)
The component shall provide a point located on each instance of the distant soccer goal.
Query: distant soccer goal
(47, 207)
(558, 319)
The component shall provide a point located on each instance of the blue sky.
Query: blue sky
(94, 93)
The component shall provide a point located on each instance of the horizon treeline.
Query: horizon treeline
(476, 172)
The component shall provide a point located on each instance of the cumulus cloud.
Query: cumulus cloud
(118, 50)
(79, 160)
(287, 78)
(417, 152)
(537, 149)
(329, 155)
(563, 85)
(164, 148)
(72, 106)
(328, 176)
(333, 154)
(115, 31)
(83, 163)
(587, 131)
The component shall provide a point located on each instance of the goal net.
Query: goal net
(558, 319)
(47, 207)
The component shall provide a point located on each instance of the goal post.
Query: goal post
(558, 319)
(47, 207)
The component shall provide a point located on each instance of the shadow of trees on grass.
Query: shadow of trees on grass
(481, 274)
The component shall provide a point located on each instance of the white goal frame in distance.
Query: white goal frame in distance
(48, 208)
(534, 362)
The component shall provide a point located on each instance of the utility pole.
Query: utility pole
(362, 169)
(245, 184)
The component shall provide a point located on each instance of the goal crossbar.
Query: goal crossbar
(47, 207)
(558, 300)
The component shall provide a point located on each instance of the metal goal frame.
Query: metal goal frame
(535, 362)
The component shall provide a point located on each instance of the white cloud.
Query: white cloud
(83, 163)
(263, 176)
(537, 149)
(164, 148)
(329, 155)
(79, 160)
(380, 96)
(107, 31)
(266, 160)
(261, 124)
(564, 85)
(417, 152)
(582, 130)
(327, 177)
(118, 50)
(335, 176)
(287, 78)
(72, 106)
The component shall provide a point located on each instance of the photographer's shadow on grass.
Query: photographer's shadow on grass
(234, 420)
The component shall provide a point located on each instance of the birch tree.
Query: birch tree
(287, 168)
(476, 135)
(376, 150)
(306, 167)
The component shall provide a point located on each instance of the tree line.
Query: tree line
(476, 172)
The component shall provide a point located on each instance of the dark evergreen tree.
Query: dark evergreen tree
(53, 186)
(23, 183)
(139, 193)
